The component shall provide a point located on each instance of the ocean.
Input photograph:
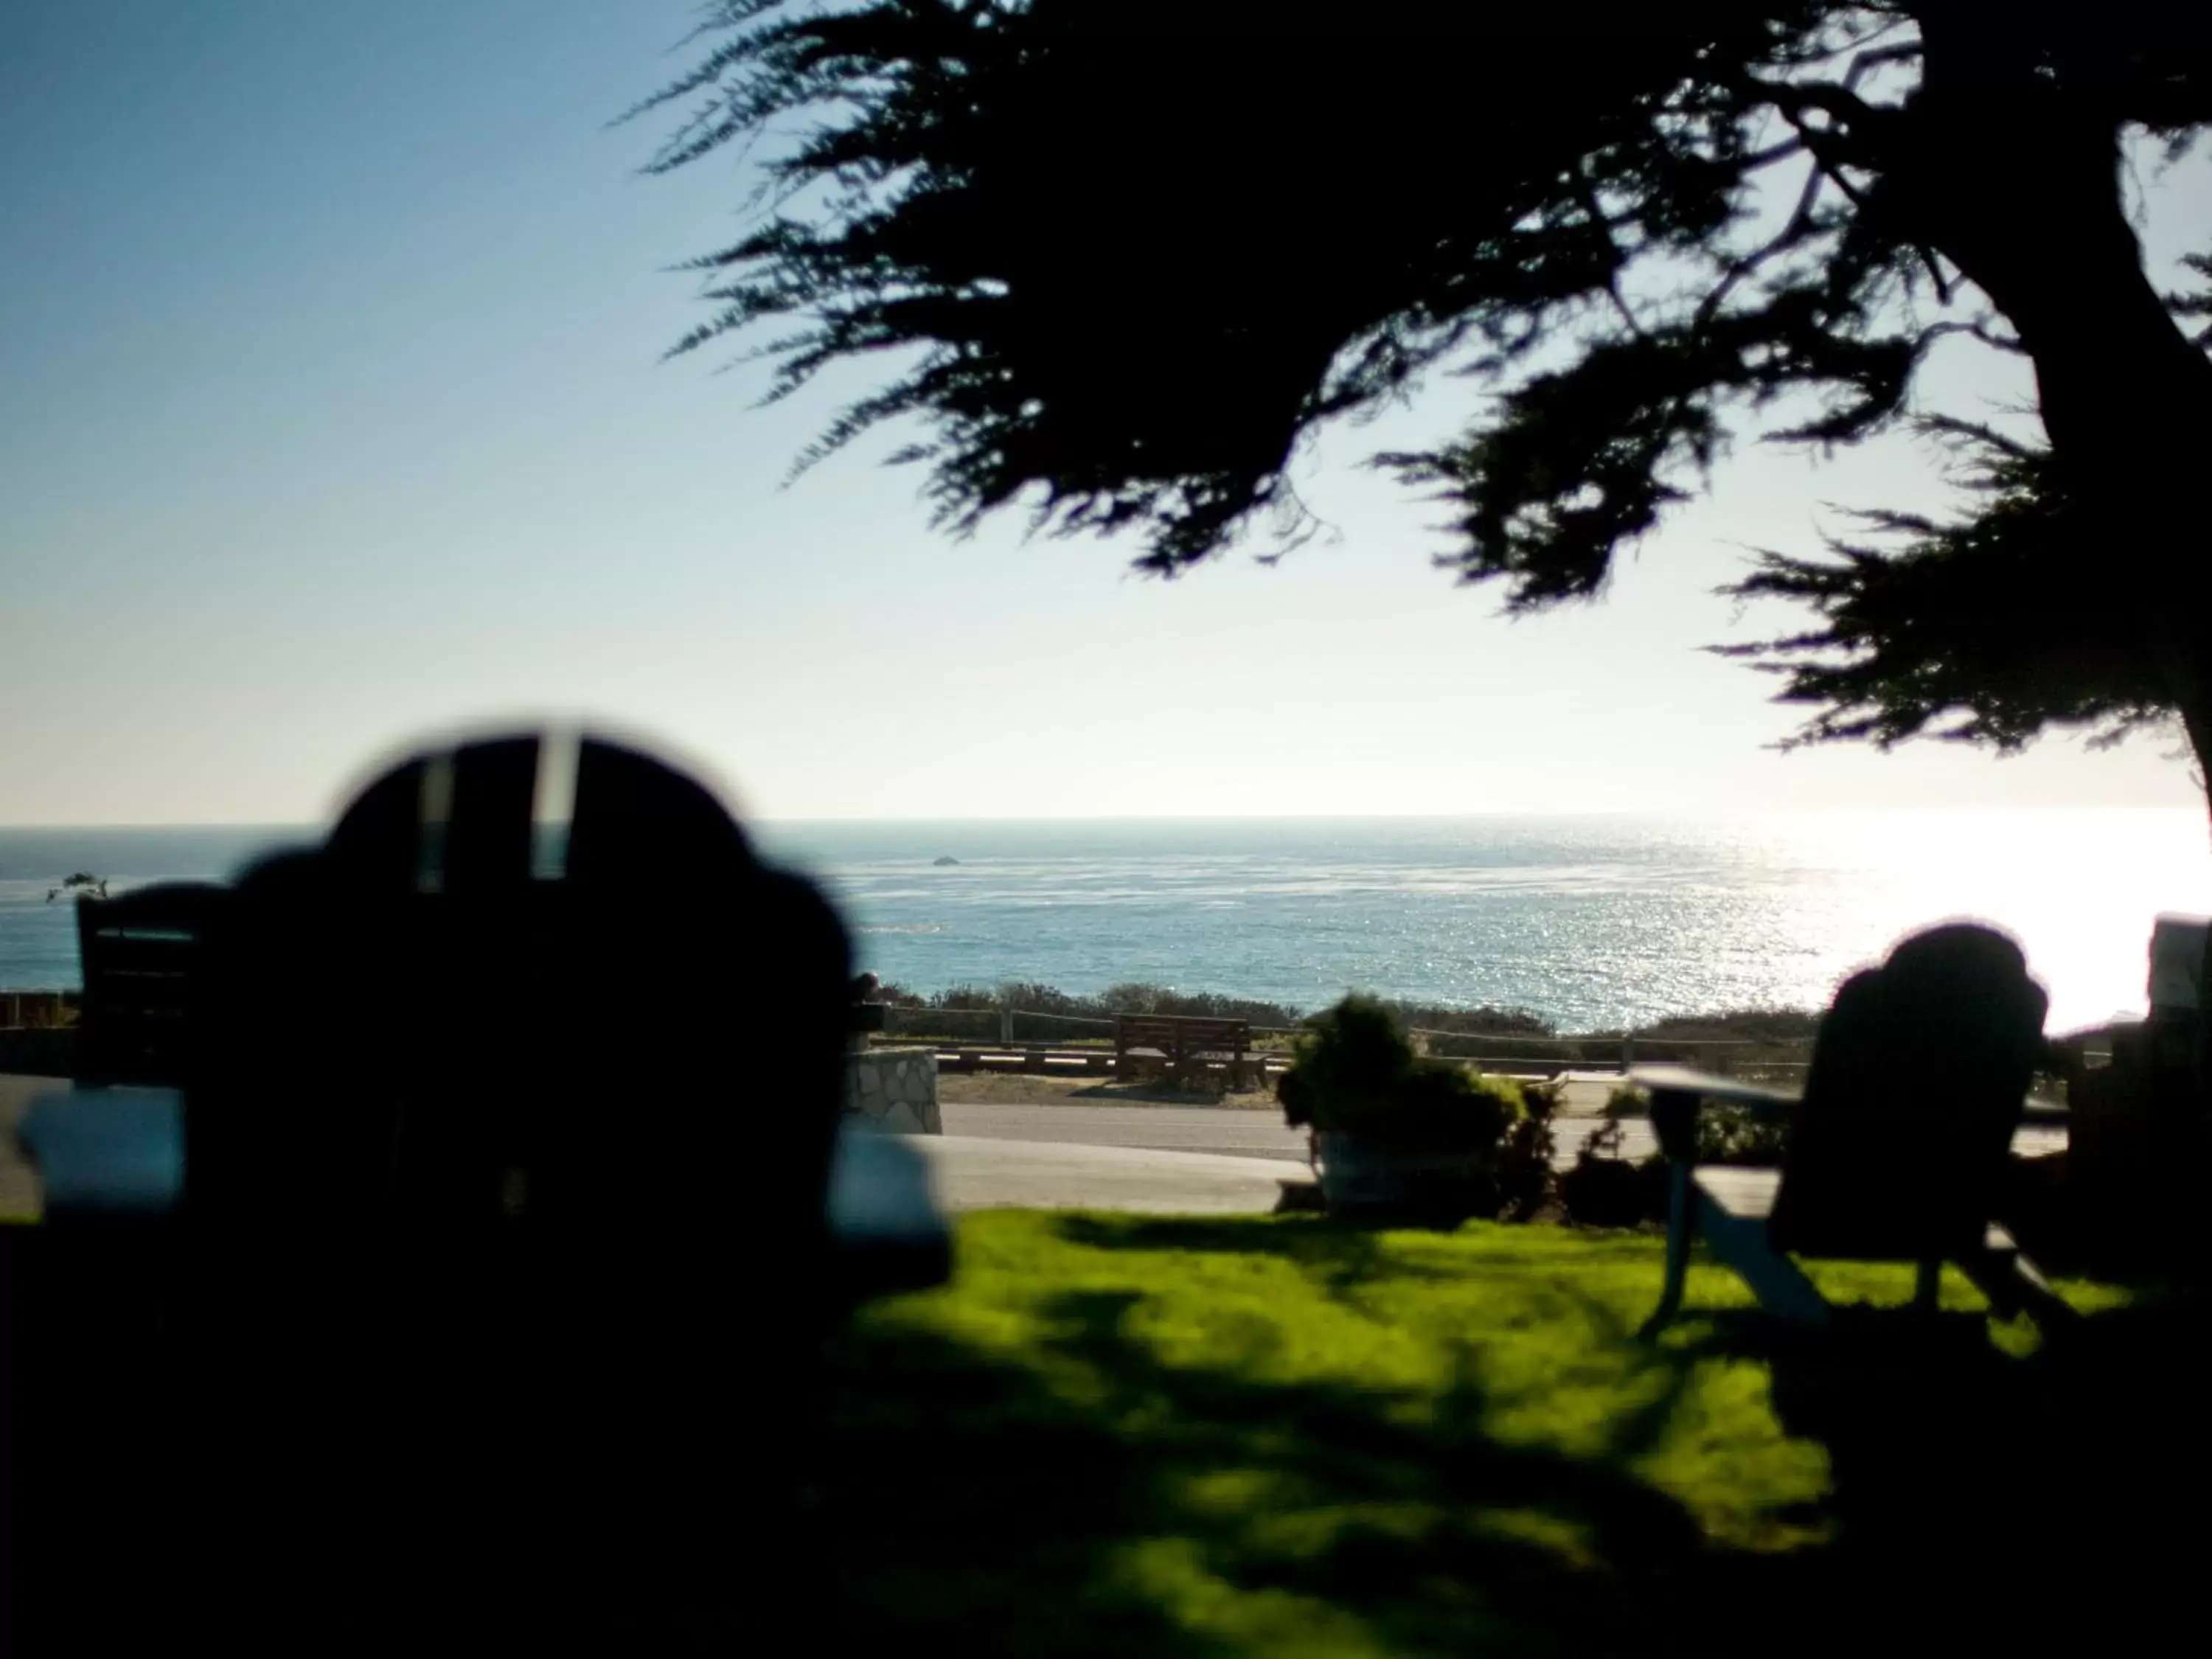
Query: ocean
(1589, 921)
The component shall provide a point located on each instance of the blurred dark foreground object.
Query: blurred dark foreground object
(2141, 1140)
(478, 1314)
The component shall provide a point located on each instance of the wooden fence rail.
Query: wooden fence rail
(20, 1009)
(958, 1025)
(958, 1055)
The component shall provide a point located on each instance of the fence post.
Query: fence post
(1006, 1025)
(1627, 1052)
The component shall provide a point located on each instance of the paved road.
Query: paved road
(1191, 1159)
(971, 1173)
(1117, 1157)
(1242, 1132)
(1234, 1133)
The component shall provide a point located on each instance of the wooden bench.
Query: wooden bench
(1182, 1044)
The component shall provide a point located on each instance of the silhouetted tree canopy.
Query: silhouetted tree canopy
(1119, 258)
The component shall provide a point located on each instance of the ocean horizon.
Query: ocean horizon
(1590, 920)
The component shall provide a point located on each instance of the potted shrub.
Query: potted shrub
(1393, 1132)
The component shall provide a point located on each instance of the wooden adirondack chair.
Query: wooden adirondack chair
(1897, 1147)
(138, 952)
(492, 1311)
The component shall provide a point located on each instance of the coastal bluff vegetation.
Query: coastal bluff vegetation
(38, 1039)
(1045, 1013)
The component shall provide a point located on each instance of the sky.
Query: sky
(333, 414)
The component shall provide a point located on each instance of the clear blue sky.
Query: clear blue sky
(331, 411)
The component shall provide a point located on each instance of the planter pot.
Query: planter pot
(1360, 1175)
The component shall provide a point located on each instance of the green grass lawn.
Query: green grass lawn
(1118, 1434)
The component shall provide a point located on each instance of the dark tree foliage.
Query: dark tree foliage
(1984, 630)
(1120, 257)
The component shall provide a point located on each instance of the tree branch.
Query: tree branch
(1800, 221)
(1980, 329)
(1831, 98)
(1901, 52)
(1829, 159)
(1587, 193)
(1766, 158)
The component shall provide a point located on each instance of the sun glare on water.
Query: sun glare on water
(2078, 888)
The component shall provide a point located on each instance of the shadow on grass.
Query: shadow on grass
(1081, 1493)
(1089, 1496)
(2052, 1503)
(1143, 1519)
(1341, 1254)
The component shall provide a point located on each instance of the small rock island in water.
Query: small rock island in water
(945, 859)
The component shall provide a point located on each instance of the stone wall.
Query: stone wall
(894, 1089)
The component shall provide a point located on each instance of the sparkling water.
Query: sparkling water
(1590, 921)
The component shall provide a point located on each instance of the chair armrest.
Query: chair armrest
(106, 1152)
(119, 1152)
(887, 1229)
(1677, 1093)
(2067, 1057)
(1708, 1086)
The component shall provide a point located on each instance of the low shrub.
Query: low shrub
(1484, 1021)
(1467, 1033)
(1741, 1024)
(1604, 1189)
(1729, 1133)
(964, 999)
(1526, 1181)
(1137, 998)
(1354, 1072)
